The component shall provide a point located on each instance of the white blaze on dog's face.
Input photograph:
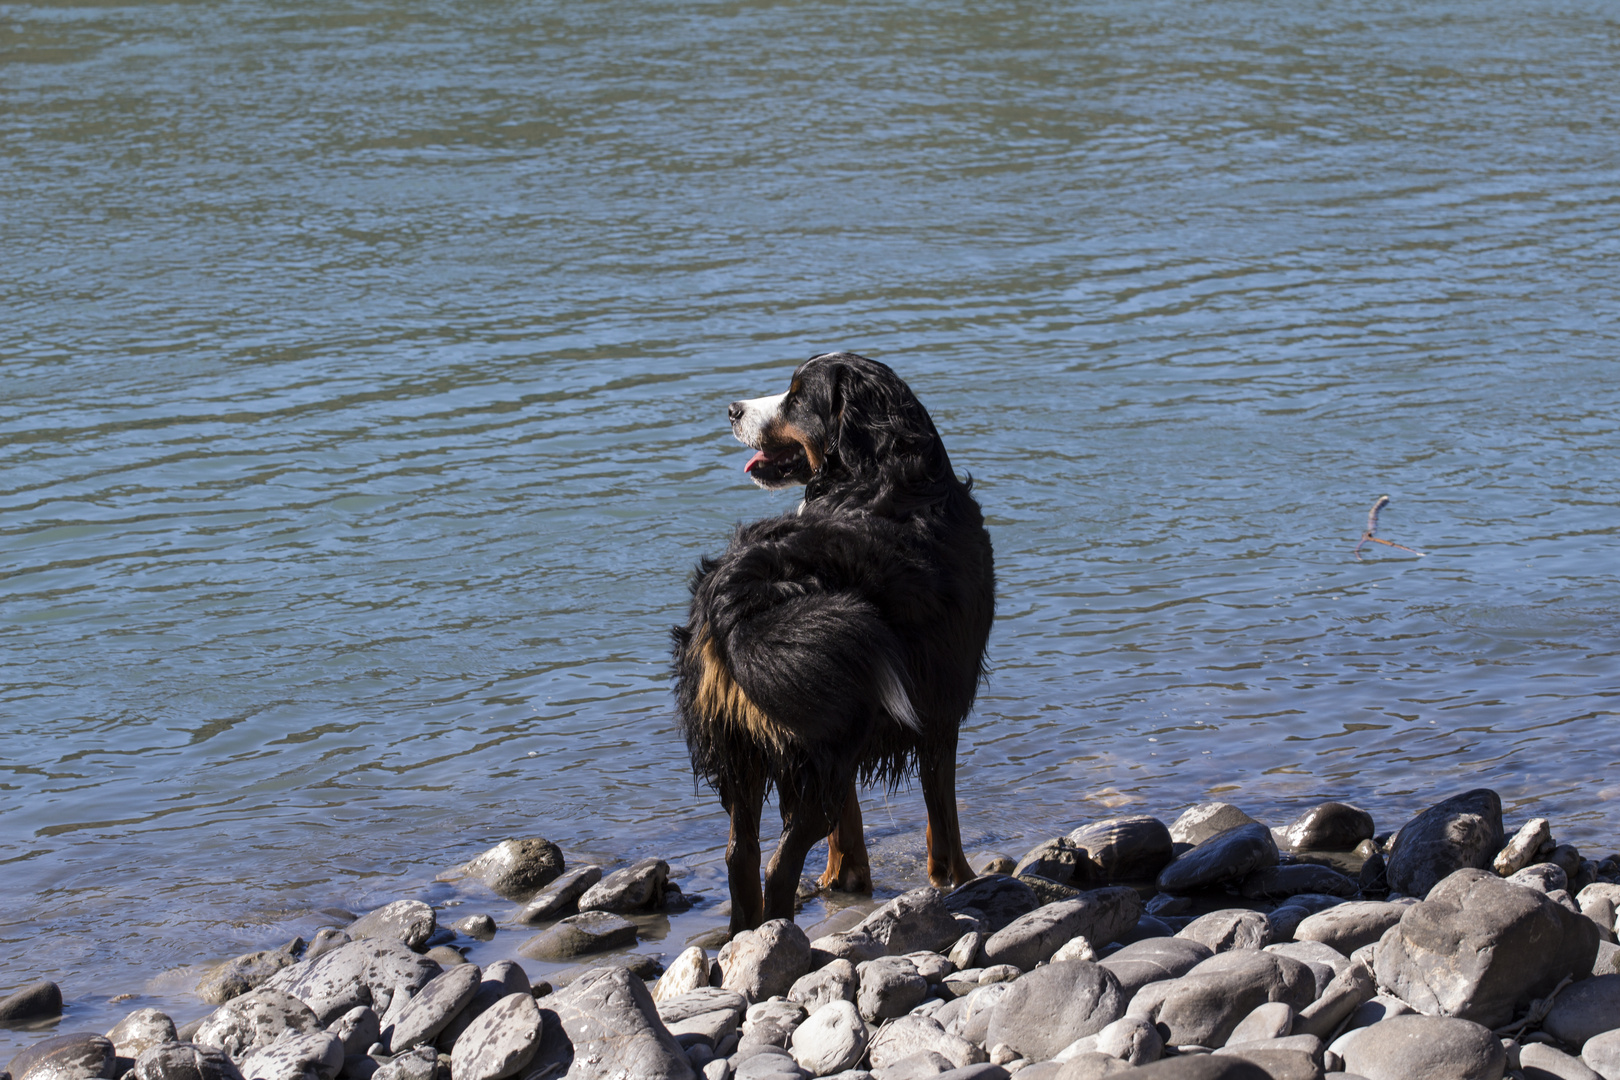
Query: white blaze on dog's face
(750, 418)
(784, 456)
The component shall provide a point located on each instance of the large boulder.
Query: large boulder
(1481, 949)
(501, 1041)
(1329, 826)
(408, 921)
(609, 1028)
(1205, 1005)
(1103, 916)
(353, 974)
(1154, 960)
(40, 1000)
(1463, 832)
(1225, 857)
(996, 898)
(766, 962)
(1130, 848)
(1585, 1010)
(1055, 1004)
(516, 869)
(914, 920)
(257, 1018)
(1432, 1047)
(185, 1061)
(78, 1056)
(635, 888)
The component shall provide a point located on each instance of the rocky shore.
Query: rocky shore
(1212, 948)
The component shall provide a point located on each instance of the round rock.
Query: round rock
(185, 1061)
(40, 1000)
(1102, 916)
(689, 972)
(317, 1055)
(516, 868)
(1295, 879)
(1585, 1010)
(914, 920)
(635, 888)
(1349, 926)
(1054, 1005)
(409, 922)
(1154, 960)
(1329, 826)
(1205, 820)
(1602, 1054)
(141, 1029)
(1226, 856)
(78, 1056)
(997, 898)
(1463, 832)
(257, 1018)
(1131, 848)
(1232, 928)
(1433, 1047)
(580, 935)
(832, 1040)
(766, 962)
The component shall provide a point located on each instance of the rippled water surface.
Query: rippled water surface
(362, 388)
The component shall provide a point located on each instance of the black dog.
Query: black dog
(841, 642)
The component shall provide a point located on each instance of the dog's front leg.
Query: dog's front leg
(744, 804)
(804, 823)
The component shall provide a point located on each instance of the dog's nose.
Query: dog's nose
(734, 411)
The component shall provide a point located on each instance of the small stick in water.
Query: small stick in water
(1372, 527)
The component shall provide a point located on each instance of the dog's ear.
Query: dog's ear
(874, 418)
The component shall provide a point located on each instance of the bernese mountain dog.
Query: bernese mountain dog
(842, 642)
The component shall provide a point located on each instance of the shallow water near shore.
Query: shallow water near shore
(362, 411)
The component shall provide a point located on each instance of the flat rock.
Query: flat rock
(1232, 928)
(1602, 1054)
(1544, 877)
(1225, 857)
(501, 978)
(997, 898)
(1431, 1047)
(855, 946)
(1203, 1006)
(315, 1055)
(185, 1061)
(833, 1039)
(76, 1056)
(1053, 1005)
(908, 1035)
(1538, 1061)
(561, 897)
(1463, 832)
(1102, 916)
(1205, 820)
(1054, 859)
(707, 1012)
(352, 974)
(1154, 960)
(257, 1018)
(1351, 925)
(515, 869)
(1134, 847)
(914, 920)
(500, 1042)
(1295, 879)
(1481, 949)
(410, 922)
(889, 987)
(580, 935)
(766, 962)
(141, 1029)
(1585, 1010)
(1201, 1067)
(834, 982)
(1329, 826)
(40, 1000)
(635, 888)
(610, 1028)
(431, 1010)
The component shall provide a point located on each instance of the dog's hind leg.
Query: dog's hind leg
(947, 864)
(743, 802)
(804, 823)
(848, 868)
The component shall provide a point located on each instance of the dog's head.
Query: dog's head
(843, 418)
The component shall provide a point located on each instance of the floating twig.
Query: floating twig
(1372, 527)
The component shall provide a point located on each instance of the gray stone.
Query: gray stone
(257, 1018)
(1053, 1005)
(923, 1065)
(999, 973)
(315, 1055)
(999, 899)
(561, 897)
(479, 927)
(1048, 891)
(930, 965)
(1349, 926)
(1607, 960)
(1432, 1047)
(973, 1023)
(580, 935)
(1285, 920)
(515, 869)
(1601, 1053)
(914, 920)
(1321, 958)
(418, 1064)
(708, 1012)
(1203, 1006)
(835, 982)
(185, 1061)
(908, 1035)
(1543, 877)
(1481, 949)
(1520, 851)
(1463, 832)
(77, 1056)
(408, 921)
(833, 1039)
(689, 972)
(889, 987)
(856, 946)
(1585, 1010)
(1225, 857)
(1129, 1039)
(1233, 928)
(612, 1029)
(776, 1064)
(1347, 991)
(236, 977)
(501, 1041)
(1201, 1067)
(500, 979)
(1599, 902)
(1377, 1008)
(1329, 826)
(1295, 879)
(635, 888)
(1205, 820)
(446, 956)
(766, 962)
(1279, 1062)
(1055, 859)
(1153, 960)
(1538, 1061)
(993, 862)
(1082, 1065)
(1272, 1020)
(351, 974)
(431, 1010)
(141, 1029)
(1076, 948)
(358, 1030)
(1102, 916)
(1130, 848)
(965, 953)
(40, 1000)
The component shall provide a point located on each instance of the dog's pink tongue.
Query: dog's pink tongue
(759, 456)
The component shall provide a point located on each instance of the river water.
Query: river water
(362, 410)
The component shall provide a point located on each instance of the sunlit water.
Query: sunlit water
(362, 388)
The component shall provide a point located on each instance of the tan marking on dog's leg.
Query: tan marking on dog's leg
(803, 825)
(742, 857)
(848, 867)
